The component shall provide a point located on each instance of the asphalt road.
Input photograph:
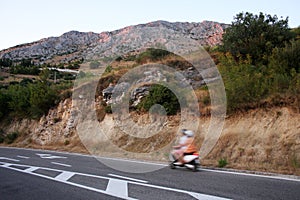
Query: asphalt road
(36, 174)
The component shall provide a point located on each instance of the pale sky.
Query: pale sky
(24, 21)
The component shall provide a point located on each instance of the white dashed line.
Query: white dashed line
(61, 164)
(115, 187)
(49, 156)
(10, 159)
(25, 157)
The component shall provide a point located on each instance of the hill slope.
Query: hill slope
(75, 45)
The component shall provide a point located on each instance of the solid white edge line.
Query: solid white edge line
(196, 195)
(133, 161)
(61, 164)
(128, 178)
(254, 175)
(276, 176)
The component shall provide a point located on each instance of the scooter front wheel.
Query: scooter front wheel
(195, 167)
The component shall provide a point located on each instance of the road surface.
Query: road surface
(37, 174)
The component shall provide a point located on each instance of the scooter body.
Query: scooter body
(190, 162)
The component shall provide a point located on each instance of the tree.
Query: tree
(4, 99)
(287, 58)
(42, 98)
(19, 99)
(256, 36)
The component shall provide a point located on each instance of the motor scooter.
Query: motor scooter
(190, 161)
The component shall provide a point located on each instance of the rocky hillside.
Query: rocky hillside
(262, 140)
(76, 45)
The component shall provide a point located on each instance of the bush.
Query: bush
(94, 65)
(11, 137)
(1, 138)
(108, 69)
(245, 84)
(163, 96)
(108, 109)
(67, 142)
(283, 60)
(151, 54)
(42, 98)
(222, 162)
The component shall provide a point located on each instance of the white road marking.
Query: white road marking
(31, 169)
(49, 156)
(117, 188)
(6, 165)
(128, 178)
(279, 176)
(253, 175)
(133, 161)
(193, 194)
(64, 176)
(61, 164)
(10, 159)
(205, 197)
(25, 157)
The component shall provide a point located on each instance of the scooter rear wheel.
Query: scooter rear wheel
(172, 166)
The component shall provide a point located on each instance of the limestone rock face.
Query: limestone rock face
(75, 45)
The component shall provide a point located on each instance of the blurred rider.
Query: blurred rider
(180, 147)
(190, 145)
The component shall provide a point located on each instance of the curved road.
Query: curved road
(36, 174)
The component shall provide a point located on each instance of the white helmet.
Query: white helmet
(189, 133)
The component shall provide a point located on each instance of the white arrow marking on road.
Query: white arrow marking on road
(10, 159)
(117, 188)
(49, 156)
(61, 164)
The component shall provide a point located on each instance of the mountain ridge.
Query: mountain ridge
(75, 45)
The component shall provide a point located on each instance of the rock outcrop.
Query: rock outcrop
(76, 45)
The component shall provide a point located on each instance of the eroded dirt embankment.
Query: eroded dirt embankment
(260, 139)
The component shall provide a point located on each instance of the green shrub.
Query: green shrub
(94, 65)
(1, 138)
(206, 100)
(108, 109)
(67, 142)
(163, 96)
(108, 69)
(222, 162)
(151, 54)
(11, 137)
